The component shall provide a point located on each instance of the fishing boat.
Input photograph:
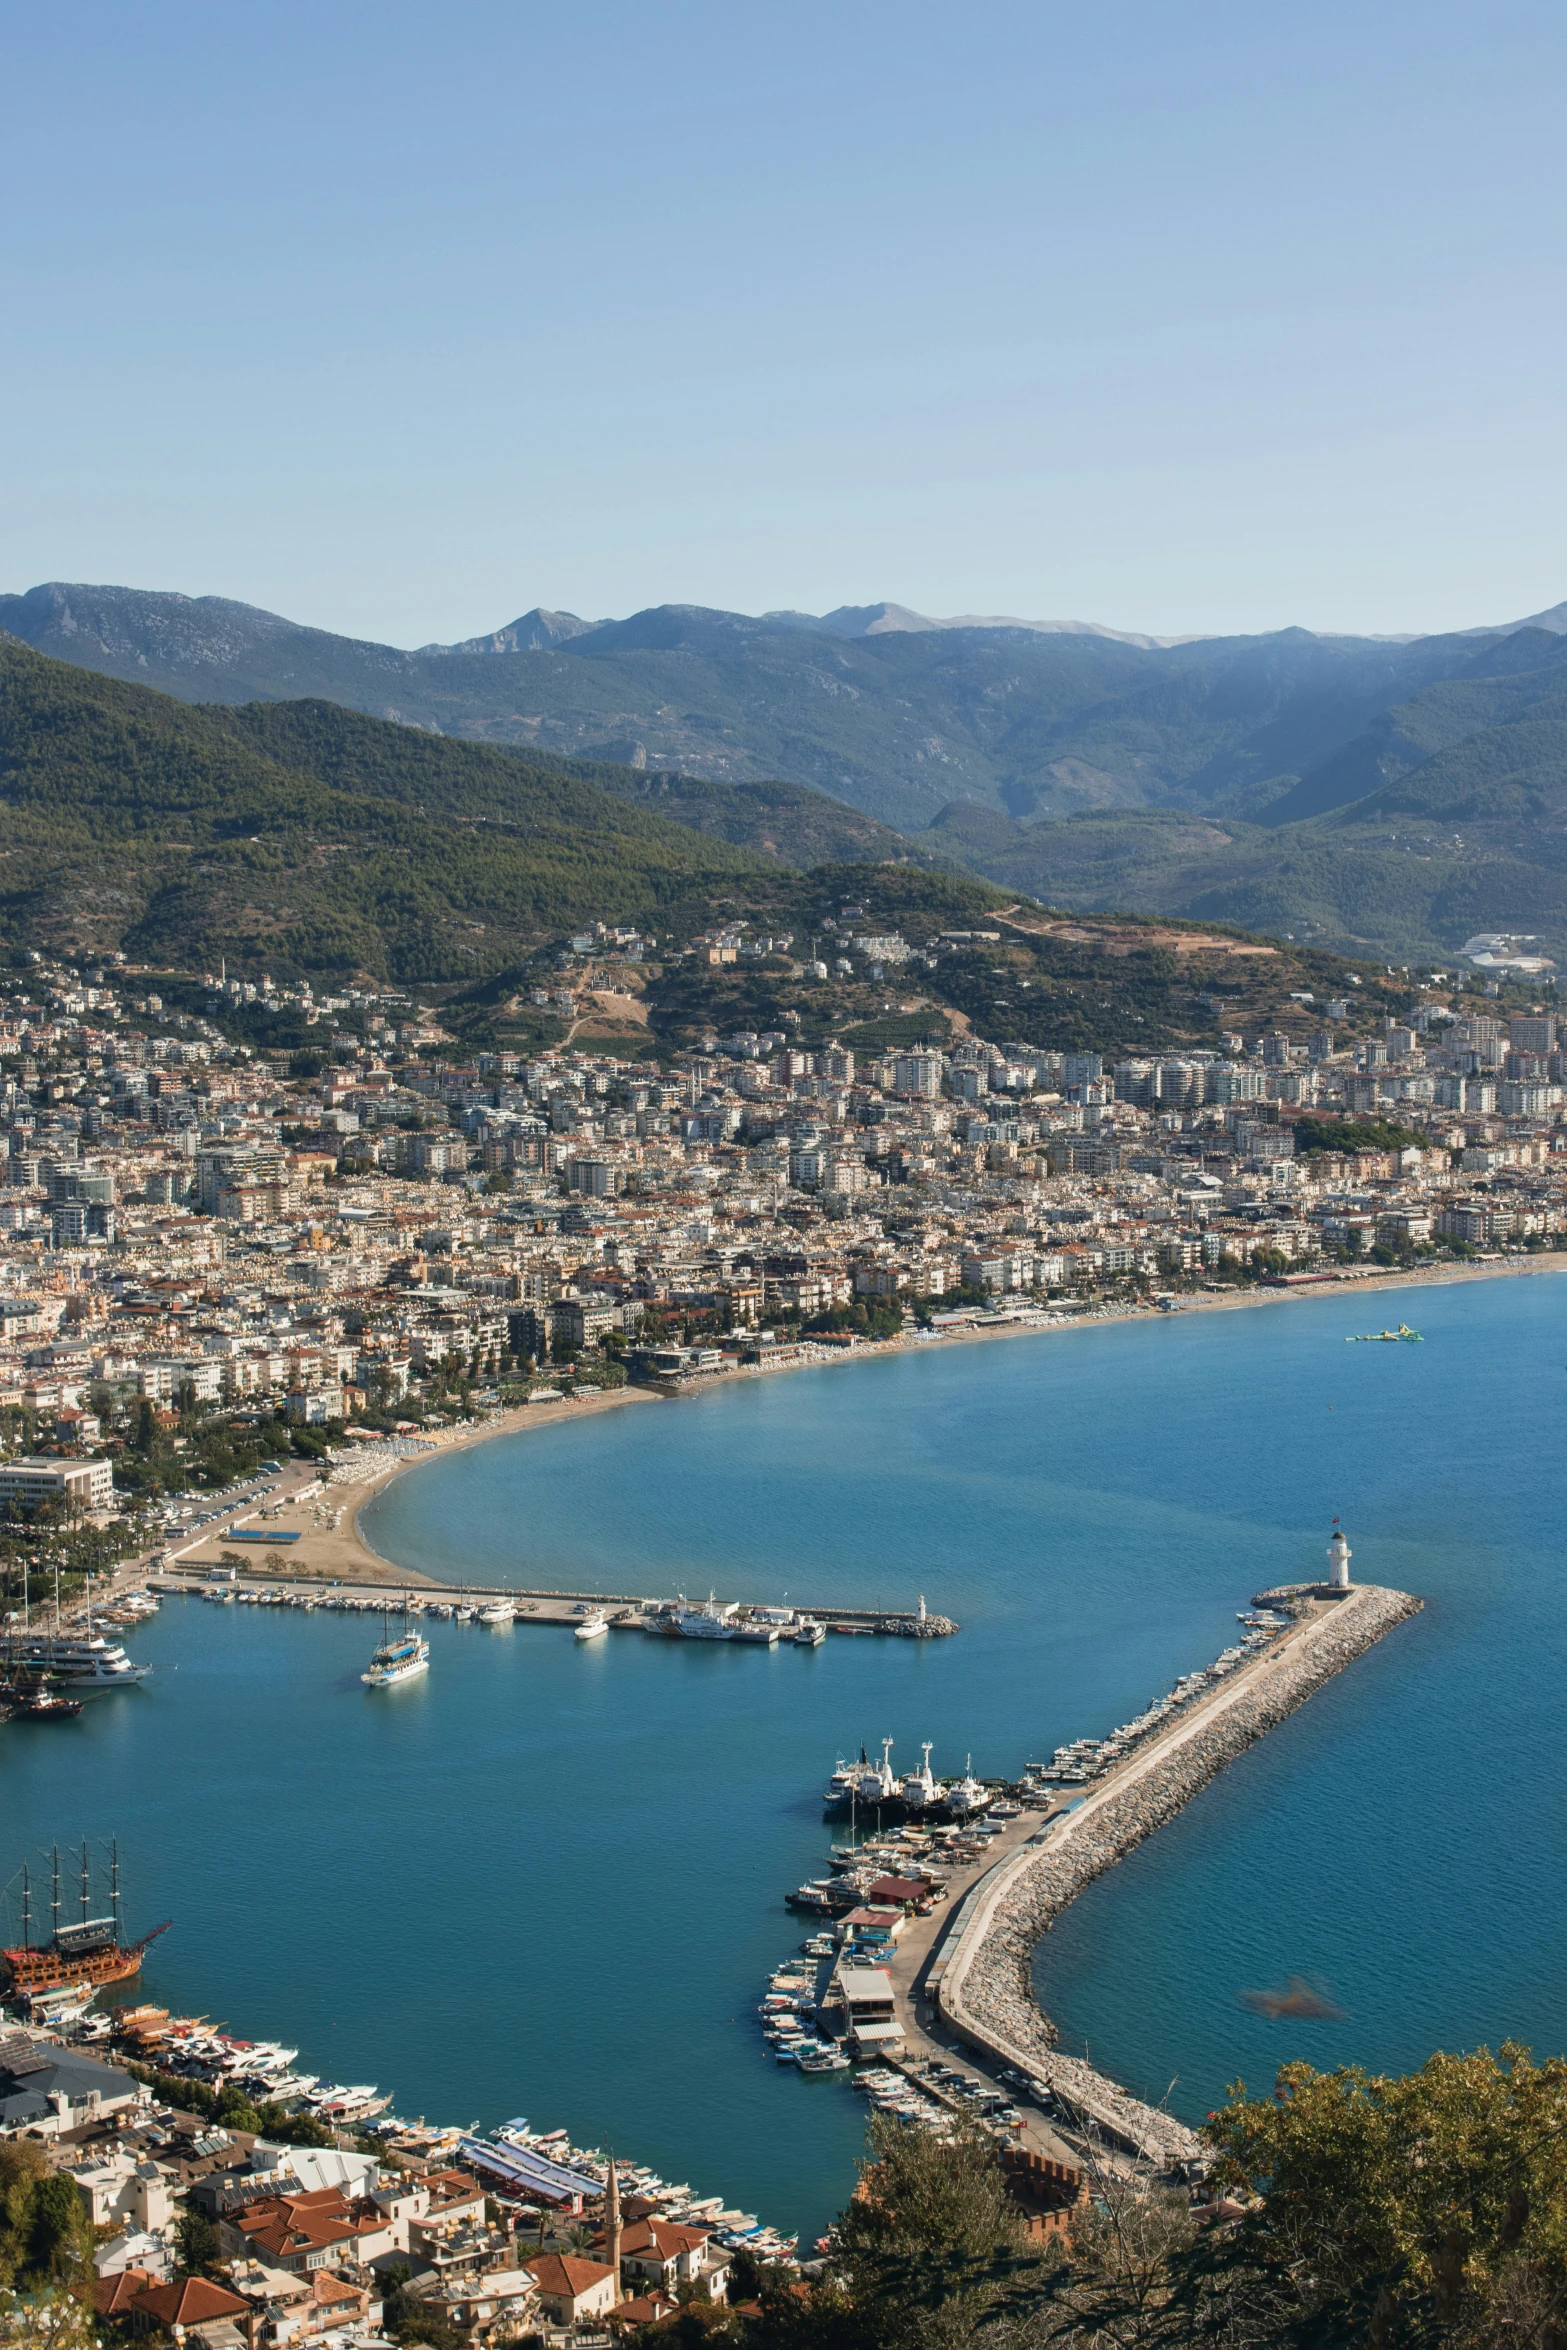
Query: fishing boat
(399, 1658)
(88, 1951)
(861, 1785)
(919, 1790)
(808, 1633)
(968, 1798)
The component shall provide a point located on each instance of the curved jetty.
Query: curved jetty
(981, 1981)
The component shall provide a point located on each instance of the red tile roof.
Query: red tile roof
(112, 2296)
(565, 2276)
(668, 2237)
(189, 2301)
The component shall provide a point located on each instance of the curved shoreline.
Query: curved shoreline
(345, 1554)
(576, 1408)
(982, 1979)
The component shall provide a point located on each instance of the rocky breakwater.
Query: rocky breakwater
(982, 1982)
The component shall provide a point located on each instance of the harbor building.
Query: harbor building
(47, 2090)
(870, 2008)
(81, 1485)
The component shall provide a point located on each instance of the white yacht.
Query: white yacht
(84, 1663)
(592, 1627)
(496, 1611)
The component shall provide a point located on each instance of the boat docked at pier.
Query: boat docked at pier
(862, 1786)
(35, 1701)
(717, 1620)
(856, 1788)
(83, 1663)
(592, 1627)
(967, 1797)
(85, 1952)
(919, 1793)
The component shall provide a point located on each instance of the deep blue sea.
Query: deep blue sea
(547, 1879)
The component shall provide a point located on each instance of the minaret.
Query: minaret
(612, 2223)
(1339, 1556)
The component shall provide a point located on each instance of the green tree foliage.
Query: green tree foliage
(1357, 1134)
(866, 1318)
(1422, 2208)
(232, 2109)
(44, 2229)
(197, 2245)
(932, 2251)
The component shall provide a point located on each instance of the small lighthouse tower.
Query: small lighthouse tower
(1339, 1556)
(613, 2233)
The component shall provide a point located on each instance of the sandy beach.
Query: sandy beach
(334, 1550)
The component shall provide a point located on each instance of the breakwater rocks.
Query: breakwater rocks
(982, 1981)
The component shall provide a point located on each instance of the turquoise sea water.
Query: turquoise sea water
(547, 1879)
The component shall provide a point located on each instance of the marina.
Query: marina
(1096, 1574)
(533, 2177)
(588, 1613)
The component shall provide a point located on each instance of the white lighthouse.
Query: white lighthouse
(1339, 1556)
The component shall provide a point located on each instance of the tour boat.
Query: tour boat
(86, 1664)
(399, 1659)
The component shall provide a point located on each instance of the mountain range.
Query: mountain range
(1386, 795)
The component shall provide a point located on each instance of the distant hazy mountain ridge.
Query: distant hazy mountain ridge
(1277, 781)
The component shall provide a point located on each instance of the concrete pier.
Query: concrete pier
(628, 1610)
(977, 1983)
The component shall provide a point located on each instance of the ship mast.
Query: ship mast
(86, 1883)
(27, 1909)
(114, 1886)
(54, 1898)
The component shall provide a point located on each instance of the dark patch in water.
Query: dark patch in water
(1299, 2001)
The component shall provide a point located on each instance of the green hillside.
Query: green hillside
(311, 839)
(305, 837)
(355, 753)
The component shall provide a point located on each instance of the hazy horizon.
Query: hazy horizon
(1063, 623)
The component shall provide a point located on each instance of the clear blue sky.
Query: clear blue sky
(401, 319)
